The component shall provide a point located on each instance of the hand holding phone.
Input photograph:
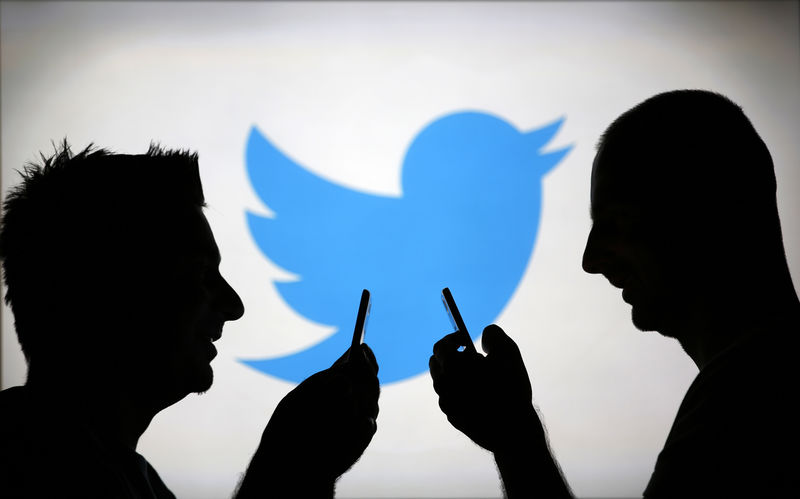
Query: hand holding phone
(456, 320)
(346, 394)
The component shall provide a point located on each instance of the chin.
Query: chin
(201, 381)
(644, 319)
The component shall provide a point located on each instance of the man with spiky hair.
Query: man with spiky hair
(112, 274)
(685, 222)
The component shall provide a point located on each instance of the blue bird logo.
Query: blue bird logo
(467, 219)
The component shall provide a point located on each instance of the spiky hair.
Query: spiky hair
(73, 218)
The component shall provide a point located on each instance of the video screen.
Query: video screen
(401, 147)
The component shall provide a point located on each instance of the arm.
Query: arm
(528, 469)
(489, 399)
(317, 432)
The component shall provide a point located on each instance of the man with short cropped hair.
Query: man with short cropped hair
(112, 274)
(685, 223)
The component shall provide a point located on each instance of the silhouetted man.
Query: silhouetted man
(112, 275)
(685, 222)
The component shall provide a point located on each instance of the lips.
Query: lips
(622, 284)
(215, 333)
(617, 283)
(205, 347)
(206, 351)
(214, 336)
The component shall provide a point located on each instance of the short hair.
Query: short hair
(685, 146)
(79, 225)
(691, 161)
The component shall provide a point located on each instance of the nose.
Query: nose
(592, 254)
(229, 301)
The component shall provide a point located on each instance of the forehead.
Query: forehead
(186, 234)
(614, 188)
(201, 239)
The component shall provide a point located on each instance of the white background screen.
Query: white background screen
(343, 88)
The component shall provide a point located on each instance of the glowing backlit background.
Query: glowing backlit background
(343, 88)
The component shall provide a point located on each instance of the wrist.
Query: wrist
(522, 430)
(532, 472)
(526, 465)
(272, 473)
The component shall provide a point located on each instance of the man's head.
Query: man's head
(111, 270)
(684, 213)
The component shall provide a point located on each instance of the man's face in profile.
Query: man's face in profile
(629, 248)
(191, 302)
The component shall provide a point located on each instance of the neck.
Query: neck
(116, 417)
(713, 329)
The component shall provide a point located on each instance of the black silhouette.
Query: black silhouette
(317, 432)
(685, 222)
(112, 275)
(489, 399)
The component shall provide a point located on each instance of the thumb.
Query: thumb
(494, 339)
(344, 358)
(370, 356)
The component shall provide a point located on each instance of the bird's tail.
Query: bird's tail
(538, 138)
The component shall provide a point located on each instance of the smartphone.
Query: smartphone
(361, 320)
(456, 320)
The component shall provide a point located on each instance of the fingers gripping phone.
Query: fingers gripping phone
(456, 320)
(361, 321)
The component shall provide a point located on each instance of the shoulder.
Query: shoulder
(45, 454)
(13, 398)
(734, 434)
(154, 481)
(21, 449)
(18, 417)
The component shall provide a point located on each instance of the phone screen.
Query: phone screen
(455, 318)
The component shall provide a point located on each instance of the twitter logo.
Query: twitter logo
(467, 219)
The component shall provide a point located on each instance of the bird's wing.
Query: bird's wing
(320, 231)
